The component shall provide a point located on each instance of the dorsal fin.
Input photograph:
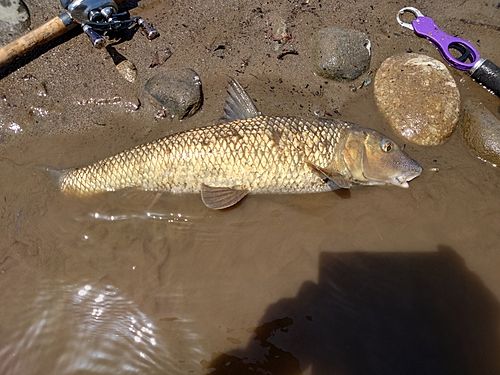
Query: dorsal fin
(238, 105)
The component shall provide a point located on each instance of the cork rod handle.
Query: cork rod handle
(42, 34)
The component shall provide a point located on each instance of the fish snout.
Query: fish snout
(413, 170)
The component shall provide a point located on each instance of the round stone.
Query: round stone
(418, 97)
(342, 54)
(177, 92)
(481, 131)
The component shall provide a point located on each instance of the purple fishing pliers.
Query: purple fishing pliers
(466, 57)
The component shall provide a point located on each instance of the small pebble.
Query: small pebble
(128, 70)
(124, 66)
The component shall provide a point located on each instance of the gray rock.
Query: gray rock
(14, 20)
(418, 97)
(342, 54)
(178, 93)
(481, 131)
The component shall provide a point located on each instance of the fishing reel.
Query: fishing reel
(99, 18)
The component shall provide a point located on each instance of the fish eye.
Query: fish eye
(386, 145)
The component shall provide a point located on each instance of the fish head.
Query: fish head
(374, 159)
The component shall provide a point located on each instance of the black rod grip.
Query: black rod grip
(488, 75)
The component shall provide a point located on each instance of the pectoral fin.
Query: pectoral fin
(219, 198)
(335, 180)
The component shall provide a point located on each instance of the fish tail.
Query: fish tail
(55, 174)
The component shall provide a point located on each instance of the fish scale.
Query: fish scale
(262, 154)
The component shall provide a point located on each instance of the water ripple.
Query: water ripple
(170, 217)
(89, 328)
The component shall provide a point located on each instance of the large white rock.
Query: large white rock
(418, 97)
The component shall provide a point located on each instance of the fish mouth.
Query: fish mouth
(402, 181)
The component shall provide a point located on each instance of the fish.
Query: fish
(248, 152)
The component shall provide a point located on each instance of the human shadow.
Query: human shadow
(377, 313)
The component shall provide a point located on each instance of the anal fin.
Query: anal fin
(219, 198)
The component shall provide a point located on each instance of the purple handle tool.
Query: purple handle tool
(425, 27)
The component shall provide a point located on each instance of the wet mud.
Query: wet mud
(382, 280)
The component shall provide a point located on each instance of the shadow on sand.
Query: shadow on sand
(377, 313)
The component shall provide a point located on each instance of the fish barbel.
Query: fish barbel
(250, 153)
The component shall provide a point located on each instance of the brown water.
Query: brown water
(379, 281)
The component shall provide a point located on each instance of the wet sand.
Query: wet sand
(379, 281)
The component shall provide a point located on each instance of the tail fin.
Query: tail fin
(56, 175)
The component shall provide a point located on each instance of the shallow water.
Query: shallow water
(406, 279)
(380, 280)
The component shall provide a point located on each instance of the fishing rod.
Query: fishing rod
(97, 18)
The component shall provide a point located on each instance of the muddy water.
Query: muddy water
(379, 281)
